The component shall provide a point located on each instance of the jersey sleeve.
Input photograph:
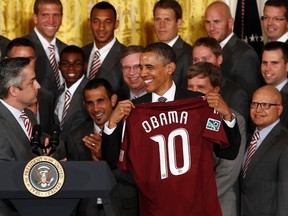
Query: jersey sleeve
(123, 156)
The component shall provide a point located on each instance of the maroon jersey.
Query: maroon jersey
(169, 149)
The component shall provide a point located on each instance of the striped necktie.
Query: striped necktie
(162, 99)
(27, 124)
(251, 151)
(66, 107)
(54, 65)
(95, 65)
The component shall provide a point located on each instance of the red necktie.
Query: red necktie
(27, 124)
(95, 65)
(66, 107)
(54, 65)
(251, 151)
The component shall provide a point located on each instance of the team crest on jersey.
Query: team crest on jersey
(213, 124)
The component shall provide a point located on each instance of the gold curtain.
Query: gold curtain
(135, 16)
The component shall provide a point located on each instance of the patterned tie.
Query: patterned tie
(95, 65)
(162, 99)
(27, 124)
(54, 65)
(66, 107)
(251, 151)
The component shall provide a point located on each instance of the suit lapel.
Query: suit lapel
(229, 48)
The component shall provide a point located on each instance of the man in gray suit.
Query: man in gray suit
(19, 89)
(47, 18)
(264, 177)
(167, 22)
(274, 68)
(240, 61)
(103, 22)
(206, 78)
(275, 20)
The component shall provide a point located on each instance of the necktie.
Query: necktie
(251, 151)
(27, 124)
(54, 65)
(162, 99)
(95, 65)
(66, 107)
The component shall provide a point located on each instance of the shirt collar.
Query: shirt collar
(283, 38)
(225, 41)
(281, 85)
(172, 42)
(73, 88)
(170, 94)
(43, 41)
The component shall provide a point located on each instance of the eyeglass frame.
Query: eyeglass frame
(127, 69)
(265, 106)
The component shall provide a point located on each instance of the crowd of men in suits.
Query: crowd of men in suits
(87, 93)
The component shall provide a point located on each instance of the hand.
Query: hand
(93, 142)
(121, 111)
(217, 102)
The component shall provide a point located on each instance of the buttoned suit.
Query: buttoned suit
(183, 52)
(227, 172)
(110, 68)
(241, 64)
(264, 190)
(76, 113)
(3, 45)
(43, 69)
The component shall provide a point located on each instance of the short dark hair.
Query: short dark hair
(278, 3)
(211, 43)
(10, 74)
(164, 52)
(39, 2)
(130, 50)
(277, 45)
(169, 4)
(17, 42)
(98, 82)
(104, 6)
(207, 70)
(73, 49)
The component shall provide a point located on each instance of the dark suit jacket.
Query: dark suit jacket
(264, 190)
(110, 68)
(46, 109)
(111, 143)
(183, 52)
(76, 113)
(235, 96)
(241, 64)
(44, 73)
(3, 45)
(284, 114)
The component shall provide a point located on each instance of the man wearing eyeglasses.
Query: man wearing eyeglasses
(274, 68)
(275, 20)
(264, 176)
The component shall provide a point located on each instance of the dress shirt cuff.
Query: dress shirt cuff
(108, 130)
(231, 123)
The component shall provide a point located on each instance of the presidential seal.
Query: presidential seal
(43, 176)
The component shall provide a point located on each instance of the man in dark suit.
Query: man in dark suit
(134, 85)
(47, 18)
(167, 21)
(275, 20)
(274, 69)
(3, 44)
(207, 49)
(264, 176)
(43, 108)
(70, 111)
(103, 22)
(240, 61)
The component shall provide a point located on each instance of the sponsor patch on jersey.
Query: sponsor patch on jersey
(213, 124)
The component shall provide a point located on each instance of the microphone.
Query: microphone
(36, 141)
(54, 140)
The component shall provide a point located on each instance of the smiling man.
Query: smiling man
(275, 20)
(69, 111)
(47, 18)
(104, 53)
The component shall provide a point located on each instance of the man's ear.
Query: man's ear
(13, 90)
(171, 67)
(113, 100)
